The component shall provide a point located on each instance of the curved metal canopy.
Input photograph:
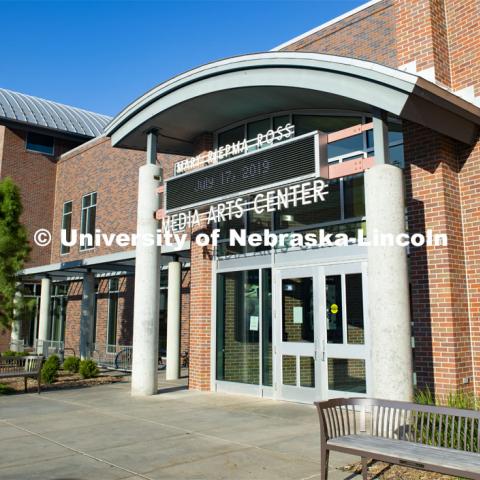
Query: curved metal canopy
(215, 95)
(25, 109)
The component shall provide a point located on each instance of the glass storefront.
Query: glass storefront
(304, 333)
(244, 327)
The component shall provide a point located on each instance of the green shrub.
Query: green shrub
(88, 369)
(71, 364)
(6, 390)
(11, 353)
(449, 431)
(50, 369)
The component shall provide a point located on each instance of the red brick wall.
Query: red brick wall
(470, 187)
(200, 299)
(439, 288)
(367, 35)
(464, 43)
(113, 174)
(34, 173)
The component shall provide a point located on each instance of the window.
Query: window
(67, 226)
(40, 143)
(238, 325)
(87, 228)
(113, 291)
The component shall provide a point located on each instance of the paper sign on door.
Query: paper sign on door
(297, 314)
(254, 323)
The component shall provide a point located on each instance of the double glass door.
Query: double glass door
(319, 332)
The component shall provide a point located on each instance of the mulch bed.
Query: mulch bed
(384, 471)
(65, 380)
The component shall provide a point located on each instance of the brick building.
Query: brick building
(384, 102)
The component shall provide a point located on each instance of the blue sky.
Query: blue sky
(102, 55)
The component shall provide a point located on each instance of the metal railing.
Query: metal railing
(17, 345)
(115, 357)
(50, 347)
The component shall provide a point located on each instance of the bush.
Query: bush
(11, 353)
(88, 369)
(71, 364)
(6, 389)
(50, 369)
(449, 431)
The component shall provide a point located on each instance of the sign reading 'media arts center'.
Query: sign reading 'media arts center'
(291, 160)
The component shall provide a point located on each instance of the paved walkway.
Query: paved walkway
(102, 433)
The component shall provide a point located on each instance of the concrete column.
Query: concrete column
(388, 287)
(16, 331)
(147, 280)
(173, 320)
(86, 317)
(44, 314)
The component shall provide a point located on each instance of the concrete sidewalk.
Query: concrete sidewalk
(102, 433)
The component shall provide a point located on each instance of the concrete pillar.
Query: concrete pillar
(16, 332)
(86, 317)
(147, 280)
(388, 286)
(44, 314)
(173, 320)
(380, 137)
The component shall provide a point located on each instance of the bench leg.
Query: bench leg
(364, 468)
(25, 384)
(324, 457)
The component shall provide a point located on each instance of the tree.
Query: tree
(14, 247)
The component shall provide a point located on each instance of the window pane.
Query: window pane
(280, 121)
(395, 132)
(333, 287)
(238, 326)
(66, 225)
(112, 318)
(397, 156)
(345, 146)
(354, 298)
(258, 127)
(307, 372)
(308, 123)
(231, 136)
(83, 222)
(347, 375)
(267, 327)
(91, 220)
(354, 196)
(40, 143)
(315, 213)
(297, 310)
(289, 370)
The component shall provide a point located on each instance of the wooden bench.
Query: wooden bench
(438, 439)
(30, 366)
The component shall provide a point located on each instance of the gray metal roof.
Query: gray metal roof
(18, 107)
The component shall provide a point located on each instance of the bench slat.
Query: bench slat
(414, 453)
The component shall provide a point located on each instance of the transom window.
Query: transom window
(37, 142)
(343, 211)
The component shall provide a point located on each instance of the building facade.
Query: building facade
(381, 105)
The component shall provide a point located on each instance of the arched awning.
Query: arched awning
(220, 93)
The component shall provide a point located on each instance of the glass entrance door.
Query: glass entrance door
(345, 320)
(297, 334)
(320, 344)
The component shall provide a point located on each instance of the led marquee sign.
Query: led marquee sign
(295, 159)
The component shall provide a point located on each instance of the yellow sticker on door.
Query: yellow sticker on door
(334, 308)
